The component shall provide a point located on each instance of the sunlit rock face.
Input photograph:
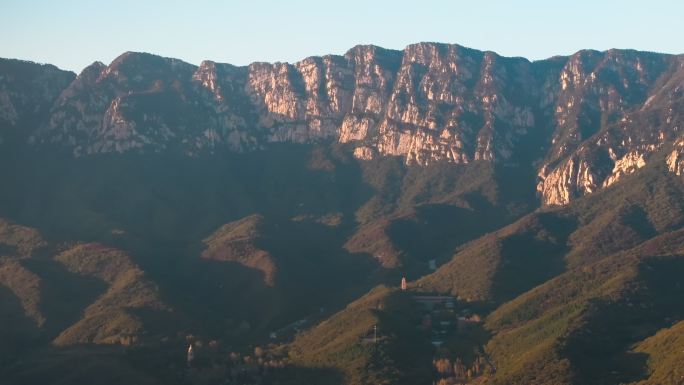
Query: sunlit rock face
(364, 153)
(571, 178)
(583, 122)
(428, 103)
(675, 160)
(301, 102)
(454, 104)
(626, 165)
(611, 115)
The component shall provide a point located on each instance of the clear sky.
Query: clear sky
(72, 34)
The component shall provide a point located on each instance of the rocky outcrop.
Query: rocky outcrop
(585, 121)
(27, 91)
(626, 165)
(428, 103)
(574, 177)
(675, 160)
(608, 120)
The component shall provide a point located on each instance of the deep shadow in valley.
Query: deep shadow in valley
(159, 208)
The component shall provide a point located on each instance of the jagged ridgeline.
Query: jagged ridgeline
(265, 215)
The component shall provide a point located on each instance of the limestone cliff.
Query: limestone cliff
(27, 91)
(428, 103)
(583, 121)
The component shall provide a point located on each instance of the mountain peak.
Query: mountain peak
(431, 102)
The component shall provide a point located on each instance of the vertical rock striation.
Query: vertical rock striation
(584, 121)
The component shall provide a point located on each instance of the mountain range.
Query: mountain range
(149, 204)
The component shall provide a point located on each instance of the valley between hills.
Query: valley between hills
(165, 223)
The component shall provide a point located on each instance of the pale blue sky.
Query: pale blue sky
(72, 34)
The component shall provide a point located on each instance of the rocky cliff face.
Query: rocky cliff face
(27, 91)
(585, 120)
(605, 120)
(428, 103)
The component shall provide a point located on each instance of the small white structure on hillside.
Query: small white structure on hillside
(191, 355)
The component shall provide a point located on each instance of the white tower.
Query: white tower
(191, 355)
(403, 283)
